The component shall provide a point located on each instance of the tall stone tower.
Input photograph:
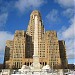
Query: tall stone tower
(35, 43)
(30, 32)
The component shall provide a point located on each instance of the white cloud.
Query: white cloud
(65, 3)
(53, 16)
(69, 13)
(3, 19)
(70, 48)
(4, 35)
(24, 5)
(68, 34)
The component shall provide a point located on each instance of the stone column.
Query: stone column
(36, 63)
(36, 36)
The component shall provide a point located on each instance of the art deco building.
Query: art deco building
(19, 51)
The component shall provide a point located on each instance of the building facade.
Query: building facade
(19, 51)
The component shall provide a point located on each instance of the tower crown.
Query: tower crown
(35, 13)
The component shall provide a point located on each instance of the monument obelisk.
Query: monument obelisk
(36, 64)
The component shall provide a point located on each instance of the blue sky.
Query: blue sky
(57, 15)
